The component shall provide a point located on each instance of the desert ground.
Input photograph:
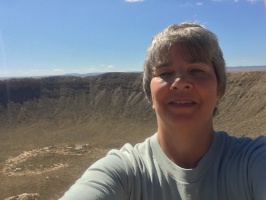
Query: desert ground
(52, 129)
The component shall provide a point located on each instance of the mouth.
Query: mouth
(182, 103)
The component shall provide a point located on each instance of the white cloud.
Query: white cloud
(133, 1)
(58, 70)
(91, 69)
(185, 5)
(199, 3)
(103, 68)
(237, 1)
(252, 1)
(189, 4)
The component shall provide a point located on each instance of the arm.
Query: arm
(105, 179)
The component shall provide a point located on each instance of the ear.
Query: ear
(219, 97)
(152, 102)
(217, 102)
(153, 107)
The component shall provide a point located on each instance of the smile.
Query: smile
(183, 102)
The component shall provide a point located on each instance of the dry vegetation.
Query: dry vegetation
(52, 129)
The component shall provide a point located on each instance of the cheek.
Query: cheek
(214, 97)
(215, 91)
(158, 90)
(153, 88)
(207, 90)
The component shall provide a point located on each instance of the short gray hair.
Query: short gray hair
(201, 44)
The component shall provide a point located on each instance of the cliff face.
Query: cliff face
(73, 109)
(111, 95)
(119, 97)
(243, 108)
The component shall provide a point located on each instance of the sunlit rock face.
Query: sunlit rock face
(25, 196)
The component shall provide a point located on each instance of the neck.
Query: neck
(185, 147)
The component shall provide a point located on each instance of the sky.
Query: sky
(56, 37)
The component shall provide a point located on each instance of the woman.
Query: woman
(184, 79)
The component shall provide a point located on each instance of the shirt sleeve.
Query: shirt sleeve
(258, 169)
(105, 179)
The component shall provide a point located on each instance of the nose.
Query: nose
(181, 83)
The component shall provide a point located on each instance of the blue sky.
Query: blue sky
(53, 37)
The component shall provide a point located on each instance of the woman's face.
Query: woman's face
(184, 92)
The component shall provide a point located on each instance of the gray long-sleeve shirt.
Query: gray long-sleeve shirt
(233, 169)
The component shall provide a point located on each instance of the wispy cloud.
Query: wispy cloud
(58, 70)
(185, 5)
(237, 1)
(107, 68)
(255, 1)
(251, 1)
(190, 4)
(133, 1)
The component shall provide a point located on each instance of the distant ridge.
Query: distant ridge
(45, 76)
(97, 73)
(83, 75)
(67, 74)
(229, 68)
(247, 68)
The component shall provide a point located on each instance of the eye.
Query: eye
(197, 70)
(165, 74)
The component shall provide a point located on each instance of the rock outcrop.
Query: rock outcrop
(25, 196)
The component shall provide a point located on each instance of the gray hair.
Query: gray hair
(200, 43)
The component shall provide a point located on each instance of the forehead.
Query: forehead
(186, 52)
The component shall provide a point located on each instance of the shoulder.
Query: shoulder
(256, 151)
(132, 156)
(242, 144)
(111, 177)
(245, 158)
(243, 152)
